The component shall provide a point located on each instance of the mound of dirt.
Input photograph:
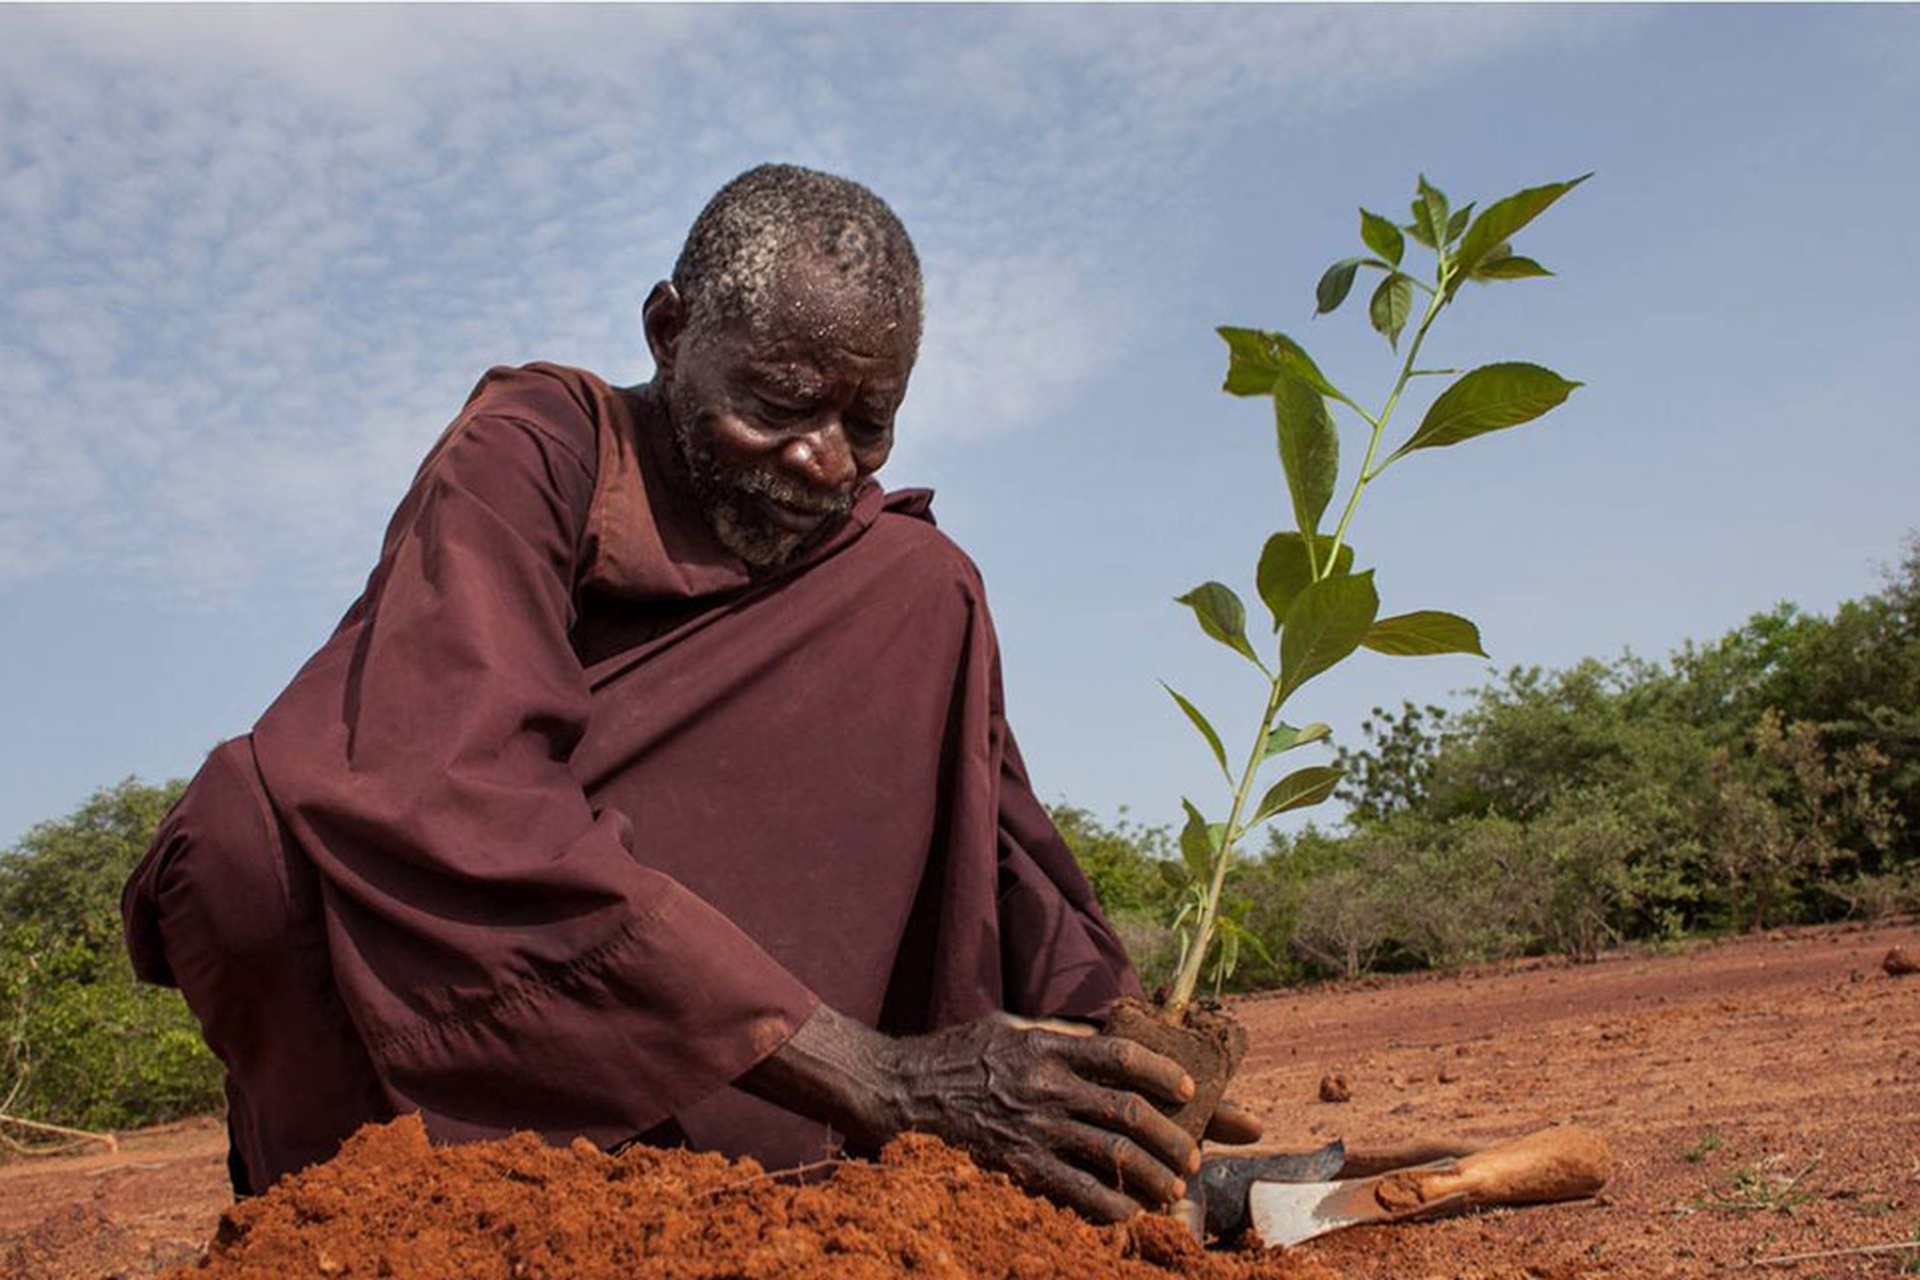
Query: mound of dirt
(389, 1205)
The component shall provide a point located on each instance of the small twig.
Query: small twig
(773, 1174)
(131, 1164)
(82, 1135)
(1786, 1258)
(45, 1149)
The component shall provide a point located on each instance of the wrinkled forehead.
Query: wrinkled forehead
(809, 303)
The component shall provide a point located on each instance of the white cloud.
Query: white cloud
(1007, 338)
(256, 256)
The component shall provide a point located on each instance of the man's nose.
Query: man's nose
(822, 457)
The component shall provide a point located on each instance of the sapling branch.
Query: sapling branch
(1434, 306)
(1322, 607)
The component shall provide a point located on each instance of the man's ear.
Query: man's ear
(664, 317)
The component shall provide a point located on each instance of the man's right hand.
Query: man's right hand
(1067, 1113)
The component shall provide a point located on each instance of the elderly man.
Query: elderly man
(658, 786)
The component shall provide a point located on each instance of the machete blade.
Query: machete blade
(1287, 1213)
(1224, 1181)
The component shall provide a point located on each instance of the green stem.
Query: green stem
(1379, 424)
(1187, 981)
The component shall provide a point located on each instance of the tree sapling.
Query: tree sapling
(1322, 609)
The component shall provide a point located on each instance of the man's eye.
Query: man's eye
(780, 411)
(867, 431)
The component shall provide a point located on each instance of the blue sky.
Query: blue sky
(251, 260)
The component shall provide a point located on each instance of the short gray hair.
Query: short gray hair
(735, 246)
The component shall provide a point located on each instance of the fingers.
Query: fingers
(1074, 1188)
(1234, 1125)
(1126, 1065)
(1132, 1116)
(1117, 1161)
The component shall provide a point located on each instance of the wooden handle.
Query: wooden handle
(1554, 1164)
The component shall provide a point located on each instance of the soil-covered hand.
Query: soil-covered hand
(1067, 1113)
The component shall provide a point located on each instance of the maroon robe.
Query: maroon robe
(573, 820)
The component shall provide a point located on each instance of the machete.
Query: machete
(1554, 1164)
(1224, 1181)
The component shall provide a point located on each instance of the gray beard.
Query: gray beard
(728, 502)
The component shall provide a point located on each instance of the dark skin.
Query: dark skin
(780, 418)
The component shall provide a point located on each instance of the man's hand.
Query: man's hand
(1067, 1113)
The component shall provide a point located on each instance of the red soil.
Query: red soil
(1762, 1098)
(391, 1206)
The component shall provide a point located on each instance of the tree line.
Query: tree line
(1769, 777)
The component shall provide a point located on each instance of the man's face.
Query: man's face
(781, 416)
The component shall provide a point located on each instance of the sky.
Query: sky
(252, 260)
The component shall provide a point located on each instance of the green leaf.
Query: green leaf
(1196, 849)
(1499, 221)
(1206, 729)
(1430, 210)
(1284, 737)
(1382, 237)
(1486, 399)
(1232, 929)
(1418, 227)
(1257, 358)
(1309, 449)
(1252, 363)
(1297, 790)
(1511, 267)
(1221, 616)
(1284, 571)
(1334, 285)
(1324, 625)
(1425, 631)
(1392, 304)
(1226, 960)
(1173, 874)
(1458, 222)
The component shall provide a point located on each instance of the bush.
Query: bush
(1120, 861)
(86, 1044)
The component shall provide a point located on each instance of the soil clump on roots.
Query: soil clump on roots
(389, 1205)
(1207, 1042)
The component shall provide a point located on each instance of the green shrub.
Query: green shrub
(85, 1044)
(1120, 860)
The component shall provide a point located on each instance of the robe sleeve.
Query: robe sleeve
(1059, 955)
(503, 948)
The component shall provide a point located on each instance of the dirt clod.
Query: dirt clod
(1400, 1192)
(1900, 962)
(1208, 1043)
(1333, 1088)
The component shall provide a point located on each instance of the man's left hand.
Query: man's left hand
(1232, 1125)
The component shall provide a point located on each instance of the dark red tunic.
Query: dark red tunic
(593, 818)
